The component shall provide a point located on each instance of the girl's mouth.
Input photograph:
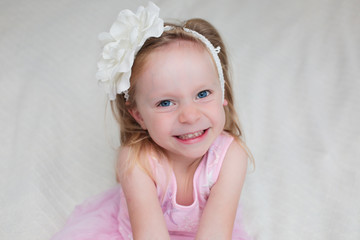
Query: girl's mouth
(191, 135)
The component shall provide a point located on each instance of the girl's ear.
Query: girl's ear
(137, 116)
(225, 103)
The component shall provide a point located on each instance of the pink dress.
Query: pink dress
(105, 217)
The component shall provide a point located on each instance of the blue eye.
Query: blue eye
(203, 94)
(165, 103)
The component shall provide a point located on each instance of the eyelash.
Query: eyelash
(205, 91)
(160, 104)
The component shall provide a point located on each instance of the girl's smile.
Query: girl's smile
(191, 136)
(179, 99)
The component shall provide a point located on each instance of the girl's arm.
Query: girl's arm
(146, 217)
(218, 218)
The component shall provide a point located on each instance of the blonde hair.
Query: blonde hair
(131, 133)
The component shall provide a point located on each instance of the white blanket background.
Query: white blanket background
(296, 68)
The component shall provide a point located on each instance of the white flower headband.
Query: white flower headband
(127, 35)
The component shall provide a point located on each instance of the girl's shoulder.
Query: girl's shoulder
(123, 152)
(224, 147)
(226, 143)
(221, 146)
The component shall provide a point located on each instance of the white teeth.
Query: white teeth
(191, 135)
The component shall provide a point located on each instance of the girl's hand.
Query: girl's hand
(146, 217)
(218, 218)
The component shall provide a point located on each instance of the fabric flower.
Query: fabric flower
(126, 36)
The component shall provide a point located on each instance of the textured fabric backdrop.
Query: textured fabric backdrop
(296, 68)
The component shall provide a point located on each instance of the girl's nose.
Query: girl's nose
(189, 114)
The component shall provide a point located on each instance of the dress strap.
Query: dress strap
(215, 157)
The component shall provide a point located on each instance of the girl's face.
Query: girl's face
(179, 100)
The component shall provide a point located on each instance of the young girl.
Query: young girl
(182, 162)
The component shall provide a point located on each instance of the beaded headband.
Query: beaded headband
(126, 37)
